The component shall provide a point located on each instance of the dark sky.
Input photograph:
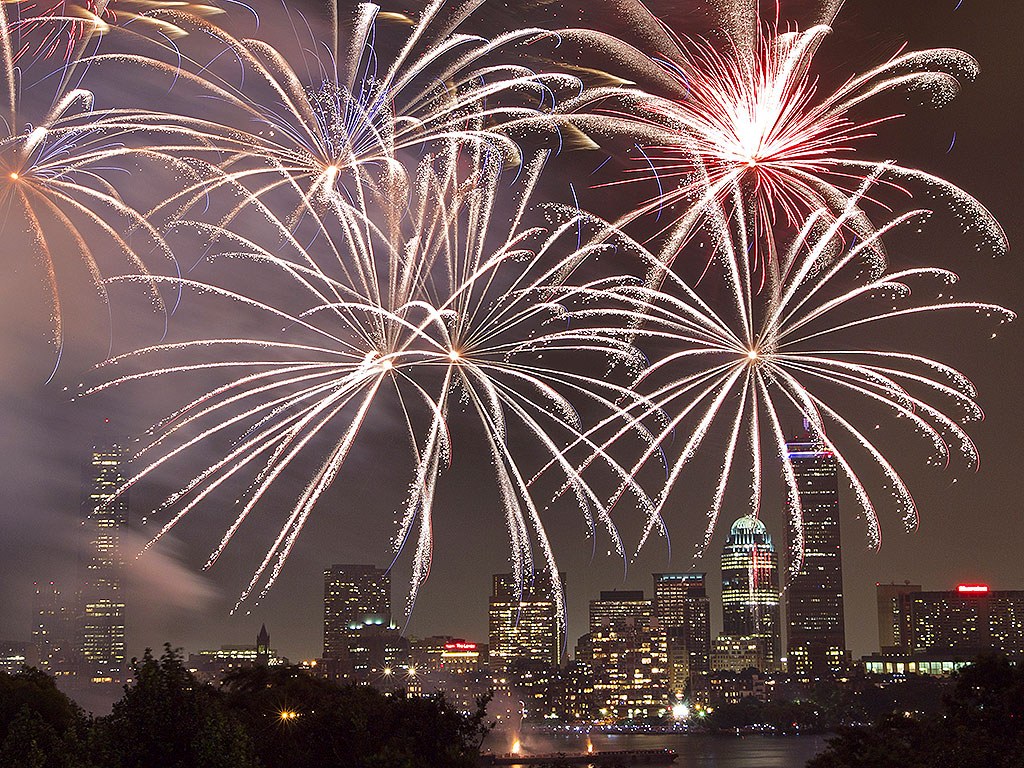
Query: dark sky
(971, 523)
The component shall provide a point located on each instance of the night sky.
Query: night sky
(971, 523)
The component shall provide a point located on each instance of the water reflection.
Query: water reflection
(694, 750)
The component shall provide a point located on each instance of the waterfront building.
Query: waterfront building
(750, 589)
(628, 653)
(970, 619)
(102, 620)
(683, 611)
(816, 637)
(524, 626)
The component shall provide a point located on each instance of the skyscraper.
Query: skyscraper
(355, 596)
(617, 606)
(683, 611)
(359, 641)
(816, 640)
(626, 650)
(750, 588)
(524, 628)
(52, 629)
(102, 634)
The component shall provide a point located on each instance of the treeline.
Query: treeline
(830, 705)
(980, 724)
(259, 718)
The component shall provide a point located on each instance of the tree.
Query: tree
(40, 727)
(167, 718)
(298, 721)
(981, 726)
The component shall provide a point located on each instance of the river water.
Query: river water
(695, 750)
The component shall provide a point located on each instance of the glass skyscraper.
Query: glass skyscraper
(102, 633)
(750, 587)
(816, 640)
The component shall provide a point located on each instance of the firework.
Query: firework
(744, 366)
(337, 113)
(747, 123)
(63, 29)
(54, 160)
(446, 310)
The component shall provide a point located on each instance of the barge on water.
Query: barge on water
(603, 757)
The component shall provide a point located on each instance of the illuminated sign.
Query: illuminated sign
(460, 646)
(972, 588)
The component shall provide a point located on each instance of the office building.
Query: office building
(683, 611)
(737, 653)
(816, 637)
(524, 626)
(15, 656)
(894, 616)
(628, 653)
(617, 606)
(104, 516)
(750, 589)
(355, 597)
(53, 630)
(971, 619)
(360, 643)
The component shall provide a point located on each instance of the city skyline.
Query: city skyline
(960, 522)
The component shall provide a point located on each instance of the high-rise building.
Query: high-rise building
(355, 596)
(616, 606)
(816, 638)
(53, 630)
(750, 588)
(102, 632)
(738, 653)
(627, 650)
(971, 618)
(524, 627)
(937, 633)
(894, 616)
(360, 642)
(683, 611)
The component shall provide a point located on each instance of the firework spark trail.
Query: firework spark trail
(64, 28)
(747, 123)
(335, 120)
(56, 153)
(768, 358)
(449, 318)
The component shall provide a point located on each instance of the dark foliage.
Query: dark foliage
(261, 718)
(981, 725)
(302, 722)
(40, 727)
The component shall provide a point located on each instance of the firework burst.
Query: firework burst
(748, 364)
(55, 157)
(747, 123)
(340, 114)
(448, 310)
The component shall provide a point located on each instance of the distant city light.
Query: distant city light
(971, 588)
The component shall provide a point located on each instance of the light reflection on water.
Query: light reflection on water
(695, 750)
